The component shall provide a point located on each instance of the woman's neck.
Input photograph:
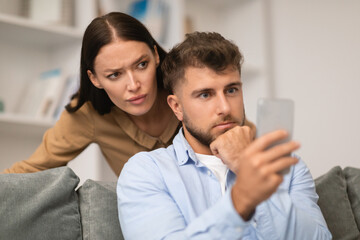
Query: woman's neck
(156, 120)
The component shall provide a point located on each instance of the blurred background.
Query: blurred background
(306, 50)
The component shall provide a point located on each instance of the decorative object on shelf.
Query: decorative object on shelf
(43, 11)
(11, 7)
(154, 14)
(54, 12)
(85, 12)
(2, 106)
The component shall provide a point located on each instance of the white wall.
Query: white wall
(305, 50)
(317, 54)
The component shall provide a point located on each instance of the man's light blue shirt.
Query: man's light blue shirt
(169, 194)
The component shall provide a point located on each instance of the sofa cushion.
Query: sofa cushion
(335, 205)
(40, 205)
(99, 214)
(352, 176)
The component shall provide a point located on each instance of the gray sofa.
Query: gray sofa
(49, 205)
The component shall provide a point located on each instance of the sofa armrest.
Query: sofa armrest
(98, 208)
(352, 176)
(335, 204)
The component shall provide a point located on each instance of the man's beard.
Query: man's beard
(206, 138)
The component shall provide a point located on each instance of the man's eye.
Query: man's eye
(232, 90)
(143, 65)
(204, 95)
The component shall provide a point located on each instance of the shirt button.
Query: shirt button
(238, 229)
(209, 173)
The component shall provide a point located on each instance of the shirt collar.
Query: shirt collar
(139, 136)
(183, 150)
(185, 154)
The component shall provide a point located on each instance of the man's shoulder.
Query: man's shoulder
(154, 159)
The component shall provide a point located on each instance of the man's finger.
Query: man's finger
(265, 141)
(280, 150)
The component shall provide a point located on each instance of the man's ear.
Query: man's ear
(176, 106)
(94, 79)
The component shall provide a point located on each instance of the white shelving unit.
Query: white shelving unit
(27, 49)
(25, 31)
(16, 32)
(23, 125)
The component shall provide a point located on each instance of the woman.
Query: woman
(121, 103)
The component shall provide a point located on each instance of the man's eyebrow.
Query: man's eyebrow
(135, 62)
(234, 84)
(202, 90)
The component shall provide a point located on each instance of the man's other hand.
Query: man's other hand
(256, 165)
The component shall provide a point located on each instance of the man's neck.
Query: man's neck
(196, 145)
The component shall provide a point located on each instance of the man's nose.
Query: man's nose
(223, 106)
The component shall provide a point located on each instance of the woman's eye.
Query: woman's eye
(113, 75)
(143, 65)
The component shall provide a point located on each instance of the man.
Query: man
(215, 182)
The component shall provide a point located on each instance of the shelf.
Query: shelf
(24, 31)
(17, 125)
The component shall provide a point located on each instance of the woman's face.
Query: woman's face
(126, 70)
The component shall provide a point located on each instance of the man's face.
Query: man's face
(208, 104)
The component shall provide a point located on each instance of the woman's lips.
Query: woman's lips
(137, 99)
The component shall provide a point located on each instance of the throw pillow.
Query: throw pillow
(352, 176)
(99, 214)
(335, 205)
(41, 205)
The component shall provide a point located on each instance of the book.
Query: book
(40, 96)
(54, 84)
(72, 84)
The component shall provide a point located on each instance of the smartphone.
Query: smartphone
(274, 114)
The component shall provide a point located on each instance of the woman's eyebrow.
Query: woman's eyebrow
(135, 62)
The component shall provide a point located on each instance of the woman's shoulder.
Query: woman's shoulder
(83, 116)
(86, 108)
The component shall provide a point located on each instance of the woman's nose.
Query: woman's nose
(133, 84)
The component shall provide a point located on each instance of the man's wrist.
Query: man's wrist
(243, 206)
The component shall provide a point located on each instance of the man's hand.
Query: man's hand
(257, 167)
(227, 146)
